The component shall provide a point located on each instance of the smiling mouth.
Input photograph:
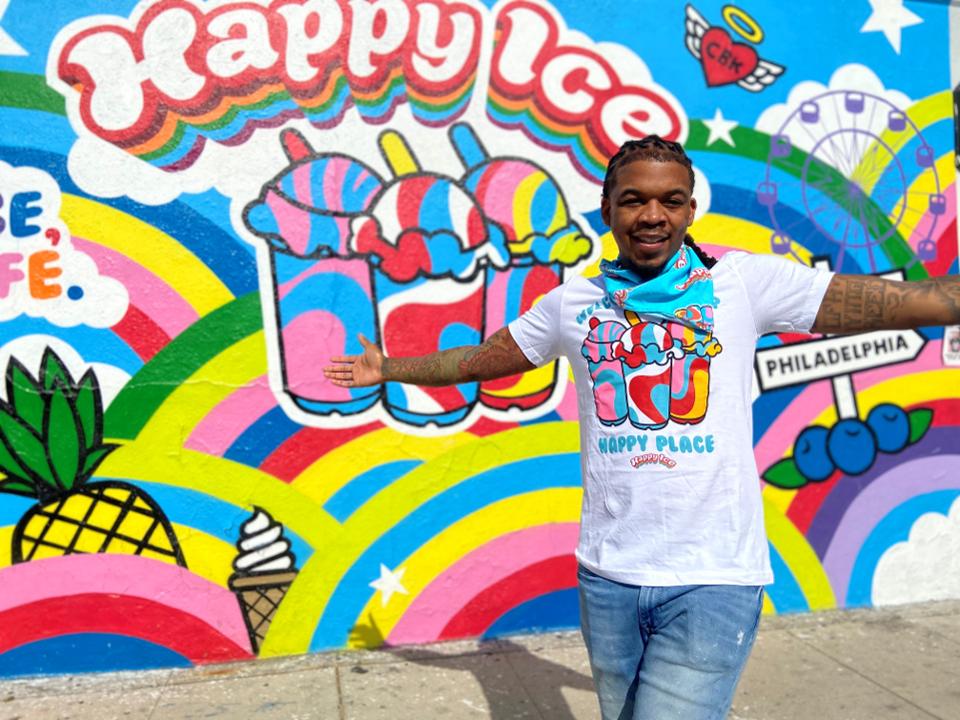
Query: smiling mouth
(649, 239)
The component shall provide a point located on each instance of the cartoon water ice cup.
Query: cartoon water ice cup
(690, 376)
(323, 294)
(606, 370)
(528, 205)
(647, 353)
(264, 569)
(429, 244)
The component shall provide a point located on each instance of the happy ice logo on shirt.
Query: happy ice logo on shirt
(649, 373)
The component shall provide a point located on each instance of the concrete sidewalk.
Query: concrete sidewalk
(900, 663)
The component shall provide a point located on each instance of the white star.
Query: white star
(8, 46)
(890, 17)
(389, 583)
(720, 129)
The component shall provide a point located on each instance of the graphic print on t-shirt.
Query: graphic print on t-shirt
(651, 372)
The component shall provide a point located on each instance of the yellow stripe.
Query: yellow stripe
(206, 555)
(199, 394)
(768, 608)
(231, 482)
(905, 390)
(523, 201)
(738, 234)
(800, 558)
(304, 603)
(6, 545)
(924, 113)
(779, 497)
(398, 154)
(148, 247)
(917, 197)
(327, 475)
(556, 505)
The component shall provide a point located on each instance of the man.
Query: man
(672, 552)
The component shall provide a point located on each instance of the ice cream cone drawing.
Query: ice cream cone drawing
(51, 443)
(321, 289)
(430, 244)
(264, 569)
(521, 198)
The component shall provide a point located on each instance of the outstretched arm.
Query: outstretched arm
(498, 356)
(858, 303)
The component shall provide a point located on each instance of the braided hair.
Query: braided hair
(655, 148)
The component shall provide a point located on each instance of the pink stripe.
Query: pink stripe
(924, 228)
(302, 190)
(818, 395)
(130, 575)
(230, 418)
(443, 598)
(498, 198)
(496, 302)
(149, 293)
(567, 408)
(333, 184)
(293, 223)
(717, 251)
(304, 358)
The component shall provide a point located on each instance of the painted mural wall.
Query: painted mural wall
(202, 201)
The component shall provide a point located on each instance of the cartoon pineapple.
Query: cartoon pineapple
(51, 441)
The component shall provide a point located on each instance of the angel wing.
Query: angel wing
(763, 76)
(696, 26)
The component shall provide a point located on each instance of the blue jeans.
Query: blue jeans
(667, 652)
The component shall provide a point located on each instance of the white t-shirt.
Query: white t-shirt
(671, 490)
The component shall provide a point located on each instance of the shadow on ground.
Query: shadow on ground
(538, 677)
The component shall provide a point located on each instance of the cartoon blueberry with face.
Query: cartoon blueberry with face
(810, 454)
(852, 446)
(891, 427)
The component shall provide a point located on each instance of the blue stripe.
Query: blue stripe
(88, 652)
(214, 247)
(100, 345)
(208, 514)
(364, 486)
(558, 610)
(260, 439)
(784, 592)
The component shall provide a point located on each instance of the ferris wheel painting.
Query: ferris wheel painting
(868, 176)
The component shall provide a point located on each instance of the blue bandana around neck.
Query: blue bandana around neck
(681, 293)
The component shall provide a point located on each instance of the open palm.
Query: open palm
(357, 370)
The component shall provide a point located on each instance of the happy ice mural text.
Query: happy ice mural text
(200, 200)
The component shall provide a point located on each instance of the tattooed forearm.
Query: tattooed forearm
(857, 303)
(498, 357)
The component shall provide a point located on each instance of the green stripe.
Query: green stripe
(429, 105)
(755, 145)
(171, 367)
(29, 92)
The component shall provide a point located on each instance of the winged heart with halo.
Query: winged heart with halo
(726, 61)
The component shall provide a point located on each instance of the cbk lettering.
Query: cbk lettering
(724, 57)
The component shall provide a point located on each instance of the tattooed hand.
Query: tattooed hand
(499, 356)
(858, 303)
(357, 370)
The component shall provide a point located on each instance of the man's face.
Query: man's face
(648, 211)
